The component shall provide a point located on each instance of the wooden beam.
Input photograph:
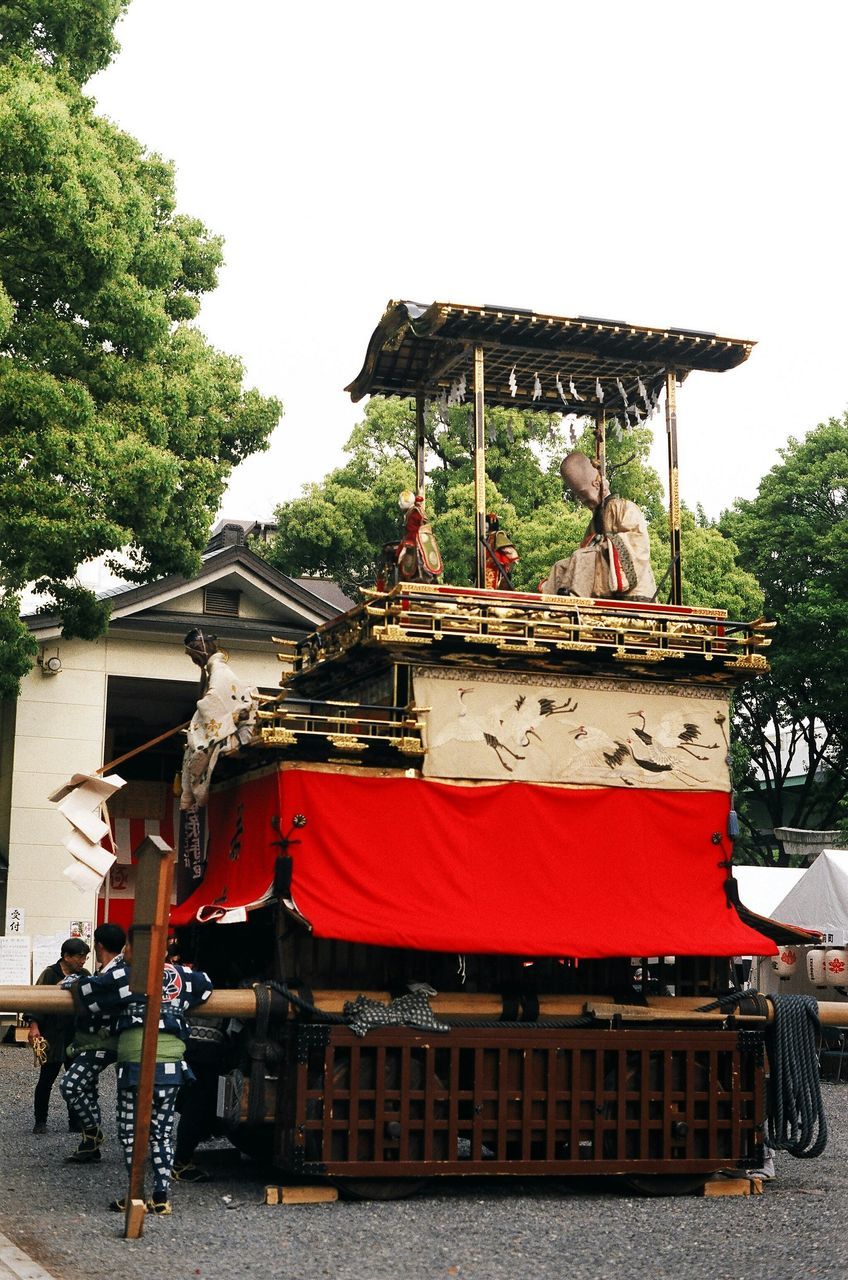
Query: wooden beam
(241, 1003)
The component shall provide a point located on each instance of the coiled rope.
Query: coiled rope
(795, 1116)
(796, 1119)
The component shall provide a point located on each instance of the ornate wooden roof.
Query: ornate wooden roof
(533, 361)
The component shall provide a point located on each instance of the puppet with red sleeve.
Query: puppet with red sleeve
(416, 556)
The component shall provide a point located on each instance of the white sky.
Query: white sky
(658, 162)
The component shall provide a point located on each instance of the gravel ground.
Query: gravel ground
(473, 1229)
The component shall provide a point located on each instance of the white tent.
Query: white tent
(819, 900)
(761, 888)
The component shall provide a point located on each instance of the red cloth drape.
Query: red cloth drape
(508, 868)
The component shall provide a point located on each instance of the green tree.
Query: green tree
(74, 34)
(793, 725)
(338, 525)
(119, 423)
(711, 573)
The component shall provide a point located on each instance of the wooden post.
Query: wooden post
(479, 467)
(419, 444)
(676, 596)
(601, 443)
(154, 878)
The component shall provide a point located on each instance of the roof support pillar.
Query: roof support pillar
(419, 443)
(601, 443)
(479, 468)
(676, 596)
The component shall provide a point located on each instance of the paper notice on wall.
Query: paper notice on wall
(93, 855)
(15, 960)
(83, 878)
(46, 949)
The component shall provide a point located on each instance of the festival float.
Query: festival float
(474, 815)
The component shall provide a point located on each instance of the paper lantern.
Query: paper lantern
(785, 963)
(815, 966)
(836, 966)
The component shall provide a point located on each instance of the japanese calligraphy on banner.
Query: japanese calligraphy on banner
(191, 853)
(577, 730)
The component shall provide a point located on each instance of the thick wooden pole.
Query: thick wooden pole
(479, 467)
(154, 878)
(241, 1003)
(676, 595)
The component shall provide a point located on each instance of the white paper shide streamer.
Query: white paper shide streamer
(81, 801)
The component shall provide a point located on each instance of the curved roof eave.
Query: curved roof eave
(419, 349)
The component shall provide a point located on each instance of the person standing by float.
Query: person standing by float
(182, 989)
(94, 1048)
(50, 1035)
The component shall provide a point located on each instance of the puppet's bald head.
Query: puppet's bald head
(583, 479)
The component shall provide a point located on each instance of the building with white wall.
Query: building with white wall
(86, 703)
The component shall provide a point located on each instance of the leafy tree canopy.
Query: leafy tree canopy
(794, 537)
(76, 35)
(337, 526)
(119, 423)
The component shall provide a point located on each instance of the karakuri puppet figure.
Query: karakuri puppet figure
(223, 721)
(416, 556)
(614, 558)
(501, 556)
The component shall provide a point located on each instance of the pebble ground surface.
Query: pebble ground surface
(472, 1229)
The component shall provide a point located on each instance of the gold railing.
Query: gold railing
(345, 728)
(502, 624)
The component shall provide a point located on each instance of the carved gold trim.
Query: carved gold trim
(674, 499)
(393, 635)
(346, 742)
(277, 737)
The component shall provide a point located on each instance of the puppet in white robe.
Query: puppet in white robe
(614, 558)
(223, 721)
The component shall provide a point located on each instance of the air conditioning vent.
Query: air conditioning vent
(225, 604)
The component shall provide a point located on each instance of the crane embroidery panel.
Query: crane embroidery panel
(629, 734)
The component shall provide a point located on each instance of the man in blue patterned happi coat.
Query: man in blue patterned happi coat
(93, 1049)
(182, 989)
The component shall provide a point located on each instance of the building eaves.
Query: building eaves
(129, 599)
